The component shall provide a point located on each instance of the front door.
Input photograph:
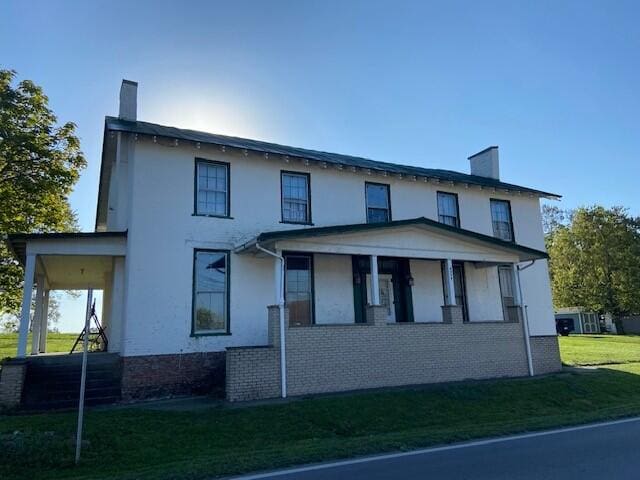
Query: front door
(394, 284)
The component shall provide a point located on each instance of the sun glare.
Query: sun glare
(195, 109)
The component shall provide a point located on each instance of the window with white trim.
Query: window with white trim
(296, 197)
(212, 188)
(448, 209)
(501, 220)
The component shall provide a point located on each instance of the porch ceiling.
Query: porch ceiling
(413, 238)
(75, 272)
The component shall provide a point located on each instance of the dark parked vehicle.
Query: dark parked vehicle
(564, 326)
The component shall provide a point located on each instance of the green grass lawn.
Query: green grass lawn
(136, 443)
(56, 342)
(599, 349)
(133, 443)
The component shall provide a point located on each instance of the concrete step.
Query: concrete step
(54, 381)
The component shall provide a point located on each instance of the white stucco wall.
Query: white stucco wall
(427, 291)
(333, 283)
(483, 293)
(163, 233)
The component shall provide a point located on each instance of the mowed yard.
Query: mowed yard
(221, 440)
(56, 342)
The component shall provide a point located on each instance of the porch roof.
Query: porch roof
(91, 243)
(488, 243)
(70, 260)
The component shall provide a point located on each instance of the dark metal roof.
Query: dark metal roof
(17, 242)
(526, 253)
(146, 128)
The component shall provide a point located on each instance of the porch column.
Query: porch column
(375, 288)
(45, 322)
(451, 288)
(37, 315)
(29, 270)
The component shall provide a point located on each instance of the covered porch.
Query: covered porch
(412, 267)
(68, 261)
(341, 294)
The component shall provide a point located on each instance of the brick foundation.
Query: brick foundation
(545, 354)
(12, 378)
(157, 376)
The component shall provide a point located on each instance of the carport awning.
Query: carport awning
(418, 237)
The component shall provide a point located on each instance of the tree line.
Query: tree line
(594, 259)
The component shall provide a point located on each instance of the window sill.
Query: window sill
(296, 223)
(210, 334)
(228, 217)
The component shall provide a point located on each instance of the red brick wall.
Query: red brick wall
(157, 376)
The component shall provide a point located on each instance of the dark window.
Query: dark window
(212, 188)
(501, 219)
(210, 292)
(448, 209)
(458, 284)
(378, 202)
(296, 197)
(508, 292)
(299, 288)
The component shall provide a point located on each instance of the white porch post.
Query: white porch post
(29, 270)
(37, 315)
(44, 326)
(451, 288)
(375, 288)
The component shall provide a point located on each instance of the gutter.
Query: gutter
(280, 295)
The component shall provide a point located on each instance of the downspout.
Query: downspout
(525, 318)
(283, 350)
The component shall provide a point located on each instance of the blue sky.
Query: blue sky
(553, 83)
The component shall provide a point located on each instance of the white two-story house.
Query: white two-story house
(270, 270)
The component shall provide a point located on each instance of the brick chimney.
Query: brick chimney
(128, 100)
(486, 163)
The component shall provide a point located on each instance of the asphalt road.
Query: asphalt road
(595, 452)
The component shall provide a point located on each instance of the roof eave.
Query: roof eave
(255, 146)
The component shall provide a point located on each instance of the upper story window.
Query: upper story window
(378, 202)
(448, 209)
(212, 188)
(210, 292)
(501, 219)
(296, 197)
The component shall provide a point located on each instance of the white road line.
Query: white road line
(457, 446)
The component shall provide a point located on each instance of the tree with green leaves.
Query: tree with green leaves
(595, 259)
(40, 162)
